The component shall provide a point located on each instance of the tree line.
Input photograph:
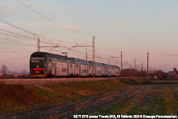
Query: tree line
(159, 74)
(5, 73)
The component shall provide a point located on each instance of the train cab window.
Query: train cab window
(76, 66)
(63, 69)
(71, 65)
(84, 71)
(37, 59)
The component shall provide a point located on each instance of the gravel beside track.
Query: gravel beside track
(43, 81)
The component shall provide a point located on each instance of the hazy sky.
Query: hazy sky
(132, 26)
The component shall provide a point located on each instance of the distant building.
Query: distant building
(15, 75)
(172, 74)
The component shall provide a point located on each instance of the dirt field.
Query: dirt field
(129, 99)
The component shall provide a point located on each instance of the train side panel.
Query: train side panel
(98, 71)
(70, 69)
(112, 72)
(44, 64)
(109, 71)
(77, 70)
(83, 70)
(89, 70)
(59, 69)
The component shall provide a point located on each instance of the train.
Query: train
(43, 64)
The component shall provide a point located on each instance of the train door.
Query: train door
(55, 71)
(90, 70)
(71, 69)
(87, 70)
(50, 66)
(77, 70)
(68, 69)
(74, 69)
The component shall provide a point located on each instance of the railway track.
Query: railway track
(43, 81)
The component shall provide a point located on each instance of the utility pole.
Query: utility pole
(86, 56)
(121, 61)
(111, 57)
(147, 63)
(38, 45)
(142, 67)
(135, 66)
(93, 71)
(108, 61)
(127, 63)
(93, 63)
(135, 63)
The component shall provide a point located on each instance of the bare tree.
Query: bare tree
(4, 69)
(24, 72)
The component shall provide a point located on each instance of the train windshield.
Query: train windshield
(37, 59)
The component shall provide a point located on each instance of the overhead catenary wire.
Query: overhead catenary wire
(52, 21)
(4, 21)
(16, 35)
(8, 43)
(34, 34)
(14, 52)
(18, 43)
(60, 24)
(49, 42)
(15, 58)
(9, 33)
(13, 34)
(163, 54)
(106, 45)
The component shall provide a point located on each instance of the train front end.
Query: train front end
(38, 68)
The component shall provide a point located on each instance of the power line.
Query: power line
(4, 21)
(106, 46)
(17, 42)
(52, 20)
(10, 34)
(14, 34)
(163, 54)
(14, 52)
(15, 58)
(18, 35)
(7, 34)
(34, 34)
(7, 43)
(7, 52)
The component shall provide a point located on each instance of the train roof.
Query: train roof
(45, 54)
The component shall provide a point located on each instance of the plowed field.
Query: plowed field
(129, 99)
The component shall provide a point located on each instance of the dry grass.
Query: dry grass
(16, 95)
(125, 96)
